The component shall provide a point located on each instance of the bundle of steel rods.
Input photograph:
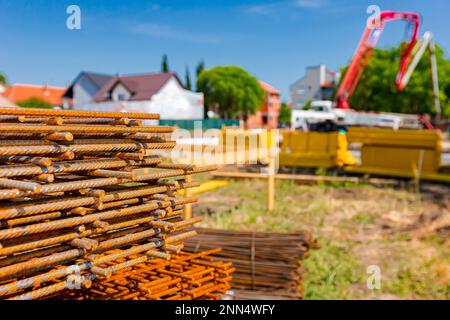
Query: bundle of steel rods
(267, 264)
(182, 277)
(83, 199)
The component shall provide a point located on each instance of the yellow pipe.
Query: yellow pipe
(206, 186)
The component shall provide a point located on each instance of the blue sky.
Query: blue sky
(273, 40)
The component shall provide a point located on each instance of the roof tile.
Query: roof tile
(21, 92)
(142, 87)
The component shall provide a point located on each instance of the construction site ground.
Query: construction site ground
(405, 232)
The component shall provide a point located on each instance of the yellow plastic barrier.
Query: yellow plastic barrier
(247, 146)
(315, 150)
(206, 186)
(401, 153)
(227, 146)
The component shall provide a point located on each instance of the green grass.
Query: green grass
(418, 282)
(363, 218)
(348, 221)
(330, 271)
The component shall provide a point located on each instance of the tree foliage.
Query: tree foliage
(198, 70)
(164, 64)
(231, 90)
(376, 90)
(187, 82)
(3, 79)
(34, 103)
(285, 113)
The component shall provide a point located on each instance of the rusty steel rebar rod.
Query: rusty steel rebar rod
(75, 113)
(21, 210)
(74, 166)
(80, 148)
(23, 128)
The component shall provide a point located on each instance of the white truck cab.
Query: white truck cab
(319, 111)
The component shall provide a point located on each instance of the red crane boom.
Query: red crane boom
(367, 43)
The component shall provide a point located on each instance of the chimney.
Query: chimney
(45, 89)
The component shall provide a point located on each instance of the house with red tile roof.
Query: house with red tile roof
(21, 92)
(85, 86)
(267, 115)
(161, 93)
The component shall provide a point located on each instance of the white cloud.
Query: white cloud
(282, 7)
(161, 31)
(263, 9)
(311, 4)
(155, 6)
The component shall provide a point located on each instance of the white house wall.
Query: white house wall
(120, 90)
(174, 102)
(83, 91)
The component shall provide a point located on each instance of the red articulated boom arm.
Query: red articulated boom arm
(367, 43)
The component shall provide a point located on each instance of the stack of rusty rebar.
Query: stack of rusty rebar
(84, 203)
(268, 264)
(183, 277)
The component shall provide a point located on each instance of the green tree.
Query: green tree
(187, 79)
(164, 63)
(198, 70)
(307, 105)
(231, 90)
(34, 103)
(3, 79)
(285, 113)
(376, 90)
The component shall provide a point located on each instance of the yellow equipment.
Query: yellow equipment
(401, 153)
(315, 149)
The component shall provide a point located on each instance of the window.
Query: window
(317, 108)
(121, 97)
(264, 119)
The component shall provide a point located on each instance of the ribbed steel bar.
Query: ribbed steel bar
(21, 185)
(23, 128)
(80, 148)
(40, 262)
(75, 113)
(21, 210)
(74, 166)
(72, 222)
(37, 218)
(40, 161)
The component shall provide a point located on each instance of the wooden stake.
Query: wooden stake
(187, 206)
(271, 177)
